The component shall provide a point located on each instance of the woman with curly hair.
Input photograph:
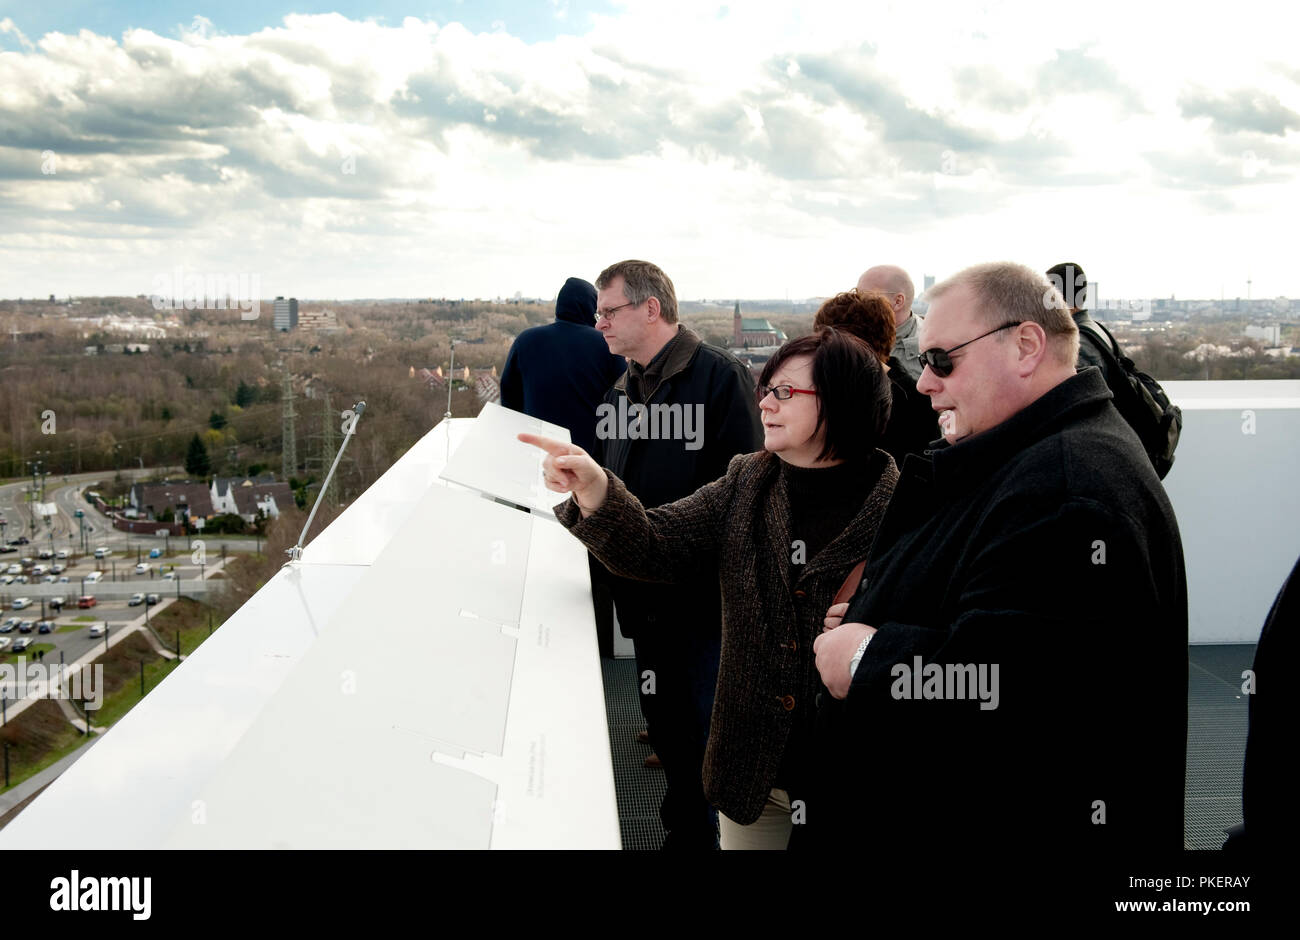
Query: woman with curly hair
(868, 316)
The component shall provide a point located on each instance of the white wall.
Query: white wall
(1236, 491)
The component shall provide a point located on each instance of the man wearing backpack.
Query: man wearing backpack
(1068, 278)
(1011, 676)
(1139, 398)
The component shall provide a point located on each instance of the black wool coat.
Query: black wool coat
(1045, 546)
(561, 371)
(913, 425)
(660, 471)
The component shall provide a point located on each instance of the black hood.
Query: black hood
(576, 302)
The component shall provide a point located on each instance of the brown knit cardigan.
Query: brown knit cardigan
(740, 526)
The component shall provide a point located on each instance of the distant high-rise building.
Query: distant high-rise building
(286, 314)
(929, 282)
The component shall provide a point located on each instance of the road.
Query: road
(189, 558)
(71, 635)
(63, 530)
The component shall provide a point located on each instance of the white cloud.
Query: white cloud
(749, 148)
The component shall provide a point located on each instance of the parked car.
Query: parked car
(6, 579)
(102, 553)
(49, 579)
(56, 603)
(169, 576)
(97, 629)
(21, 579)
(27, 626)
(57, 568)
(46, 553)
(142, 568)
(61, 554)
(86, 600)
(22, 602)
(21, 540)
(155, 553)
(63, 579)
(7, 550)
(4, 641)
(151, 599)
(22, 643)
(135, 601)
(8, 625)
(45, 626)
(38, 570)
(94, 577)
(14, 569)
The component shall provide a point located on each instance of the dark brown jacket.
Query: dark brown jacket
(739, 526)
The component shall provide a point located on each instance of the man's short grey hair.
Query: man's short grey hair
(641, 281)
(1006, 292)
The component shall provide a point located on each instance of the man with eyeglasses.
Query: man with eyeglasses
(1012, 672)
(677, 629)
(894, 283)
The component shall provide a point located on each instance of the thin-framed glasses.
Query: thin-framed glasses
(608, 312)
(940, 361)
(782, 392)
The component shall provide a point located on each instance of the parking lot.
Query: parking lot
(63, 602)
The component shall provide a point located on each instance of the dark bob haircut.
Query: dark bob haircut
(867, 315)
(853, 396)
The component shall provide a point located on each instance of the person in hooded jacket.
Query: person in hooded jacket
(560, 372)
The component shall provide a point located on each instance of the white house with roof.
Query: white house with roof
(248, 497)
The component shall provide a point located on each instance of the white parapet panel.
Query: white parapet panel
(427, 676)
(1234, 490)
(494, 461)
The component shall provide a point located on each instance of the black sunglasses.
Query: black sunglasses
(939, 360)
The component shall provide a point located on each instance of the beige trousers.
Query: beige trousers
(770, 831)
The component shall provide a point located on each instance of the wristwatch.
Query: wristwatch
(857, 657)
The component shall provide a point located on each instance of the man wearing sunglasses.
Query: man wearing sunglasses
(1012, 671)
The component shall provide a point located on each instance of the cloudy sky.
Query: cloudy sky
(752, 149)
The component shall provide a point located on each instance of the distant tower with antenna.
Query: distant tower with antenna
(289, 442)
(328, 444)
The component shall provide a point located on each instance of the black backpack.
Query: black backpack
(1140, 400)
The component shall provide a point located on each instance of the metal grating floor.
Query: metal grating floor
(1216, 747)
(1216, 741)
(639, 789)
